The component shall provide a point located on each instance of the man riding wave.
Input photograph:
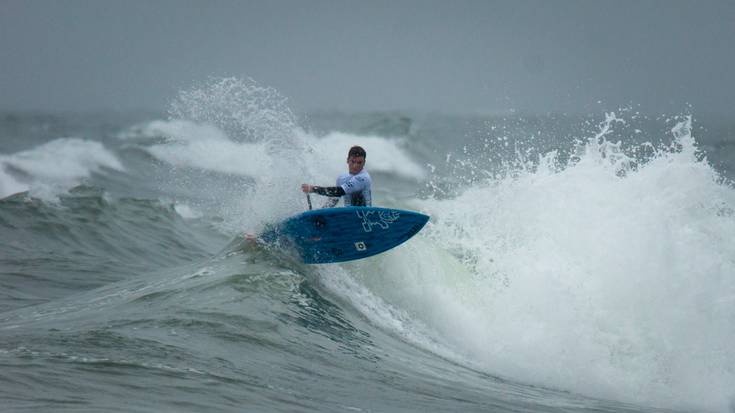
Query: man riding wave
(353, 187)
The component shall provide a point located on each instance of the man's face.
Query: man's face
(356, 163)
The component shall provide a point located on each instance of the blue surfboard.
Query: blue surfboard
(343, 234)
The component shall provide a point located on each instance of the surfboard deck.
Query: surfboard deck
(343, 234)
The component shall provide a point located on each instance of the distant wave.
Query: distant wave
(385, 155)
(205, 146)
(54, 166)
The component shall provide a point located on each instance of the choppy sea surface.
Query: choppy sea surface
(573, 263)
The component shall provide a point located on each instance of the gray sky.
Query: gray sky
(450, 56)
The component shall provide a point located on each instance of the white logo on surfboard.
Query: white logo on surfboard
(360, 246)
(383, 219)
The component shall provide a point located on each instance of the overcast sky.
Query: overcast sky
(450, 56)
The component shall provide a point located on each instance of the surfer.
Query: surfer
(353, 187)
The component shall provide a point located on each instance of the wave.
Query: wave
(573, 270)
(86, 238)
(55, 166)
(183, 143)
(604, 274)
(254, 326)
(387, 155)
(204, 146)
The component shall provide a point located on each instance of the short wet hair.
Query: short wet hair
(356, 151)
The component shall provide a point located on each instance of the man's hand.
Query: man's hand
(250, 239)
(306, 188)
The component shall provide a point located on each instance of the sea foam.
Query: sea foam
(54, 166)
(601, 274)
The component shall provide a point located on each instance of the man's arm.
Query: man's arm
(333, 191)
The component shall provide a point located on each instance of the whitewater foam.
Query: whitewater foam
(203, 146)
(55, 166)
(186, 212)
(385, 154)
(602, 275)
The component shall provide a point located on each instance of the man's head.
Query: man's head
(356, 159)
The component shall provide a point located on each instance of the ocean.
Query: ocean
(572, 262)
